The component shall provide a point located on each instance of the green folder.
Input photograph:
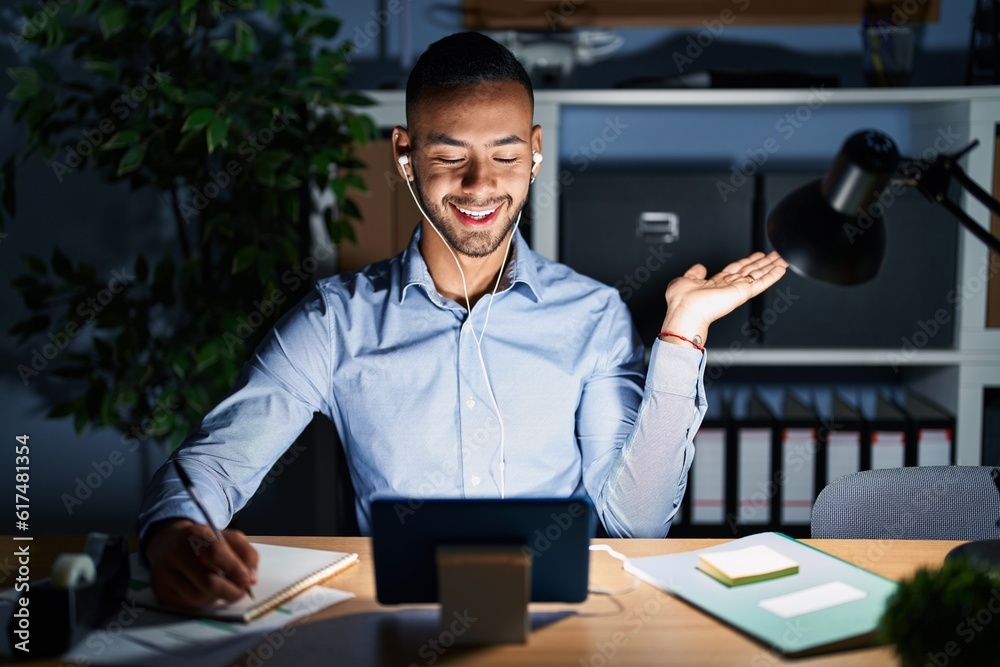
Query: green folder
(829, 605)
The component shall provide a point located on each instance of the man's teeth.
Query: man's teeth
(473, 214)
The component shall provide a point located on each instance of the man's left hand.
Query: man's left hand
(694, 300)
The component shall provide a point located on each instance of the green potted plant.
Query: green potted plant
(232, 110)
(946, 616)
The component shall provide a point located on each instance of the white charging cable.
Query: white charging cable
(623, 558)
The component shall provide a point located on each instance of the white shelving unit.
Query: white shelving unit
(956, 377)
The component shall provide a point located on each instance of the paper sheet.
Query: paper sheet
(812, 599)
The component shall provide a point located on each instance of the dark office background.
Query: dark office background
(107, 225)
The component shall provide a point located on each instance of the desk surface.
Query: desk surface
(643, 627)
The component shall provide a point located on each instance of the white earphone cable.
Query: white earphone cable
(478, 339)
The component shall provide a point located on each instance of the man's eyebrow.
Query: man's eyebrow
(438, 139)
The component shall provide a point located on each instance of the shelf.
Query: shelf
(732, 97)
(845, 357)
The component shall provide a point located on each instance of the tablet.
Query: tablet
(407, 532)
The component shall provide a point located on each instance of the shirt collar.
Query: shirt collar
(522, 268)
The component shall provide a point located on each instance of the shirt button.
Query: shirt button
(471, 403)
(475, 480)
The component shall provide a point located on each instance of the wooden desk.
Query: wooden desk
(643, 627)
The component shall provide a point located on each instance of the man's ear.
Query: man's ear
(401, 146)
(536, 139)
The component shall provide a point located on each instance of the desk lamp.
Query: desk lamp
(833, 229)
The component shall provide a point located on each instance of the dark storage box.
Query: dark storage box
(637, 231)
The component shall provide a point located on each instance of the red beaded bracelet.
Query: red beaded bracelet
(700, 348)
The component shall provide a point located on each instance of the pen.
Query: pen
(189, 487)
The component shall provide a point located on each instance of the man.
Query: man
(449, 370)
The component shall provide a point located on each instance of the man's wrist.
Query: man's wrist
(683, 331)
(670, 337)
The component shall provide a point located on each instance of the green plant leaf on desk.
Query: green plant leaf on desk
(946, 616)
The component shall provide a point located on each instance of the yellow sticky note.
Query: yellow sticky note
(746, 566)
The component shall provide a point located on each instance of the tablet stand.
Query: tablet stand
(484, 592)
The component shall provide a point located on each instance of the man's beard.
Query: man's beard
(470, 243)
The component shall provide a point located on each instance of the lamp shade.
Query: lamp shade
(832, 230)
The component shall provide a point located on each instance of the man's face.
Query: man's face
(471, 157)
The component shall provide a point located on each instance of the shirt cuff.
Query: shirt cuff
(675, 369)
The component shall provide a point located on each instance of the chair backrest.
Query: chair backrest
(922, 503)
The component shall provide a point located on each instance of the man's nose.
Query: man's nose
(479, 179)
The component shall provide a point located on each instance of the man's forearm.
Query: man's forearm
(648, 480)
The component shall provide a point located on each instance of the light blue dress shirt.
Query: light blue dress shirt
(395, 365)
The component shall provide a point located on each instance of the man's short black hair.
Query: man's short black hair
(463, 59)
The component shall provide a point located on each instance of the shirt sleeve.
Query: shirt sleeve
(227, 457)
(638, 445)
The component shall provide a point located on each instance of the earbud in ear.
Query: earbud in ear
(403, 159)
(536, 159)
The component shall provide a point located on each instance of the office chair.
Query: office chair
(921, 503)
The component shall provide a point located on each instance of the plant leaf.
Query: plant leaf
(111, 19)
(108, 69)
(198, 119)
(216, 133)
(188, 5)
(132, 159)
(162, 20)
(244, 258)
(246, 40)
(121, 140)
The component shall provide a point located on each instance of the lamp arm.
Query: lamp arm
(933, 182)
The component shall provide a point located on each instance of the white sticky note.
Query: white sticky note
(812, 599)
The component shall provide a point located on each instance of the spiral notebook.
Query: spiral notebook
(282, 573)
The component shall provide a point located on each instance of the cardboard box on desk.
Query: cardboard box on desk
(388, 212)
